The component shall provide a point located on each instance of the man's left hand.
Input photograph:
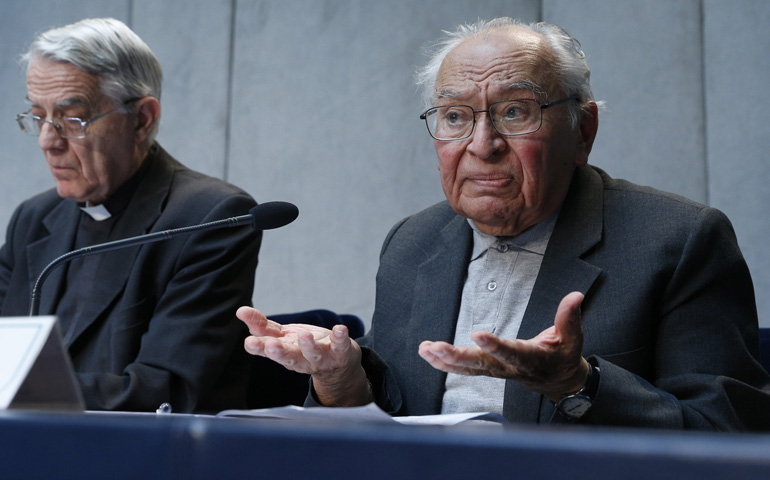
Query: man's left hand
(550, 363)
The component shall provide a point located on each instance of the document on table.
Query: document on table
(368, 413)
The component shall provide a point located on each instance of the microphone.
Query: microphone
(265, 216)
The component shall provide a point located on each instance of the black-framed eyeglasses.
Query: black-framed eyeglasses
(66, 127)
(519, 116)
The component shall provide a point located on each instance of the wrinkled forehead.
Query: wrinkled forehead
(47, 77)
(496, 62)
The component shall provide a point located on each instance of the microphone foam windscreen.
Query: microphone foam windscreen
(271, 215)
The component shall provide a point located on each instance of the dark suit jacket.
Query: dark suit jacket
(160, 324)
(669, 312)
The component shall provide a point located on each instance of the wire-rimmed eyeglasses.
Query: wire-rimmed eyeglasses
(66, 127)
(509, 117)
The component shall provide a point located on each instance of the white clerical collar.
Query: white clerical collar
(98, 213)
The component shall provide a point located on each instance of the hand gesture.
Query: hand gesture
(550, 363)
(331, 357)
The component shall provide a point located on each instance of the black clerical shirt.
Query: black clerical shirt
(82, 272)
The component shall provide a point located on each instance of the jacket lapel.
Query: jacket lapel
(437, 306)
(61, 224)
(577, 230)
(140, 215)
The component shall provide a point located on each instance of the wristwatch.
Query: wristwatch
(574, 406)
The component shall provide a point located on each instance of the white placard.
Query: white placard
(35, 371)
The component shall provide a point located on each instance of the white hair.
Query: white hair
(107, 48)
(570, 67)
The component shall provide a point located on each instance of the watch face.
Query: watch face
(574, 406)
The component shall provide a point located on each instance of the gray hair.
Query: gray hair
(107, 48)
(571, 69)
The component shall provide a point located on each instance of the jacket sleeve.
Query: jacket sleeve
(191, 354)
(7, 258)
(385, 390)
(705, 372)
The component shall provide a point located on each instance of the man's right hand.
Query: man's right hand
(331, 357)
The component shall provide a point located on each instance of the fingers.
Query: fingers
(430, 354)
(340, 341)
(335, 364)
(269, 339)
(254, 345)
(253, 318)
(337, 347)
(433, 353)
(278, 350)
(258, 323)
(302, 348)
(451, 359)
(285, 351)
(567, 320)
(551, 355)
(489, 342)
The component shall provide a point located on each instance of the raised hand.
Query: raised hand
(550, 363)
(331, 357)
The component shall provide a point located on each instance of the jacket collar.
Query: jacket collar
(61, 224)
(437, 305)
(142, 212)
(578, 229)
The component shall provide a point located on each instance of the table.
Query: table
(114, 446)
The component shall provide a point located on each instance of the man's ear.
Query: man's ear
(147, 115)
(589, 125)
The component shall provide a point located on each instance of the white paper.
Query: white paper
(369, 413)
(452, 419)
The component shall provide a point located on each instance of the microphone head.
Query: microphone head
(269, 215)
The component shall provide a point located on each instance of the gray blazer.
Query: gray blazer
(669, 311)
(160, 324)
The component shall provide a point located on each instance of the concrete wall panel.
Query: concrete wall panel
(737, 69)
(325, 114)
(646, 63)
(313, 101)
(193, 46)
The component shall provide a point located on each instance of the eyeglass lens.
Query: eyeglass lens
(509, 117)
(66, 127)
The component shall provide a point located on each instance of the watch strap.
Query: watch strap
(592, 383)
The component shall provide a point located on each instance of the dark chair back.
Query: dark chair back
(764, 347)
(270, 384)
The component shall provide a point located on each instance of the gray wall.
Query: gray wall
(312, 101)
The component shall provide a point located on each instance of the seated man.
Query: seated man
(143, 325)
(542, 289)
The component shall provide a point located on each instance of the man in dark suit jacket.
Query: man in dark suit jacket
(542, 288)
(145, 325)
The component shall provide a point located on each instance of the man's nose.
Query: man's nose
(485, 140)
(49, 137)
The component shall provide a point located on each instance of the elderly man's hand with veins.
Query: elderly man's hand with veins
(331, 357)
(550, 363)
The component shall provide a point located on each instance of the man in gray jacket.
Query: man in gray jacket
(542, 289)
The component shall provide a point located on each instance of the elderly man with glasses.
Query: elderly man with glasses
(144, 325)
(542, 289)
